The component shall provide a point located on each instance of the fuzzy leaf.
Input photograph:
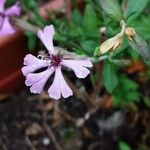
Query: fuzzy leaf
(32, 39)
(90, 20)
(89, 47)
(110, 76)
(76, 17)
(126, 92)
(140, 46)
(134, 8)
(112, 9)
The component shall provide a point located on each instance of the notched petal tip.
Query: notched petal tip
(83, 74)
(50, 29)
(59, 86)
(23, 71)
(78, 66)
(46, 36)
(28, 59)
(7, 28)
(87, 63)
(14, 10)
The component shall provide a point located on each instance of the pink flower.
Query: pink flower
(5, 14)
(53, 64)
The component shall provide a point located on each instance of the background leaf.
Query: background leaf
(112, 9)
(76, 17)
(126, 92)
(140, 46)
(90, 20)
(32, 40)
(134, 9)
(110, 76)
(89, 47)
(123, 146)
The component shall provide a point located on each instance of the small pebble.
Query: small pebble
(46, 141)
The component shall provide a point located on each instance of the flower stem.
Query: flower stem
(82, 95)
(24, 25)
(52, 136)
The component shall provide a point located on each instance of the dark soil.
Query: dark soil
(26, 122)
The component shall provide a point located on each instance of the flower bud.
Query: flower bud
(110, 44)
(117, 43)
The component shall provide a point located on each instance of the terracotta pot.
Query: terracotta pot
(12, 51)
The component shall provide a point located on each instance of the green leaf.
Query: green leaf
(58, 37)
(32, 4)
(110, 76)
(96, 52)
(112, 9)
(124, 146)
(140, 46)
(32, 39)
(32, 8)
(132, 53)
(89, 47)
(90, 21)
(134, 8)
(133, 96)
(126, 92)
(76, 17)
(128, 84)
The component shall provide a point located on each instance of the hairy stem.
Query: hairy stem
(24, 25)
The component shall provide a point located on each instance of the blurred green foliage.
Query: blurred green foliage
(124, 146)
(110, 76)
(126, 92)
(81, 34)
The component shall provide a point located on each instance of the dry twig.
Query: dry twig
(52, 136)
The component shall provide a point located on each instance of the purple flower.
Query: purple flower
(53, 62)
(5, 14)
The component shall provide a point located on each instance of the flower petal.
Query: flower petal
(33, 78)
(37, 81)
(78, 66)
(46, 36)
(14, 10)
(2, 3)
(31, 59)
(32, 64)
(59, 86)
(6, 27)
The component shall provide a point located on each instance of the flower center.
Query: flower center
(56, 60)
